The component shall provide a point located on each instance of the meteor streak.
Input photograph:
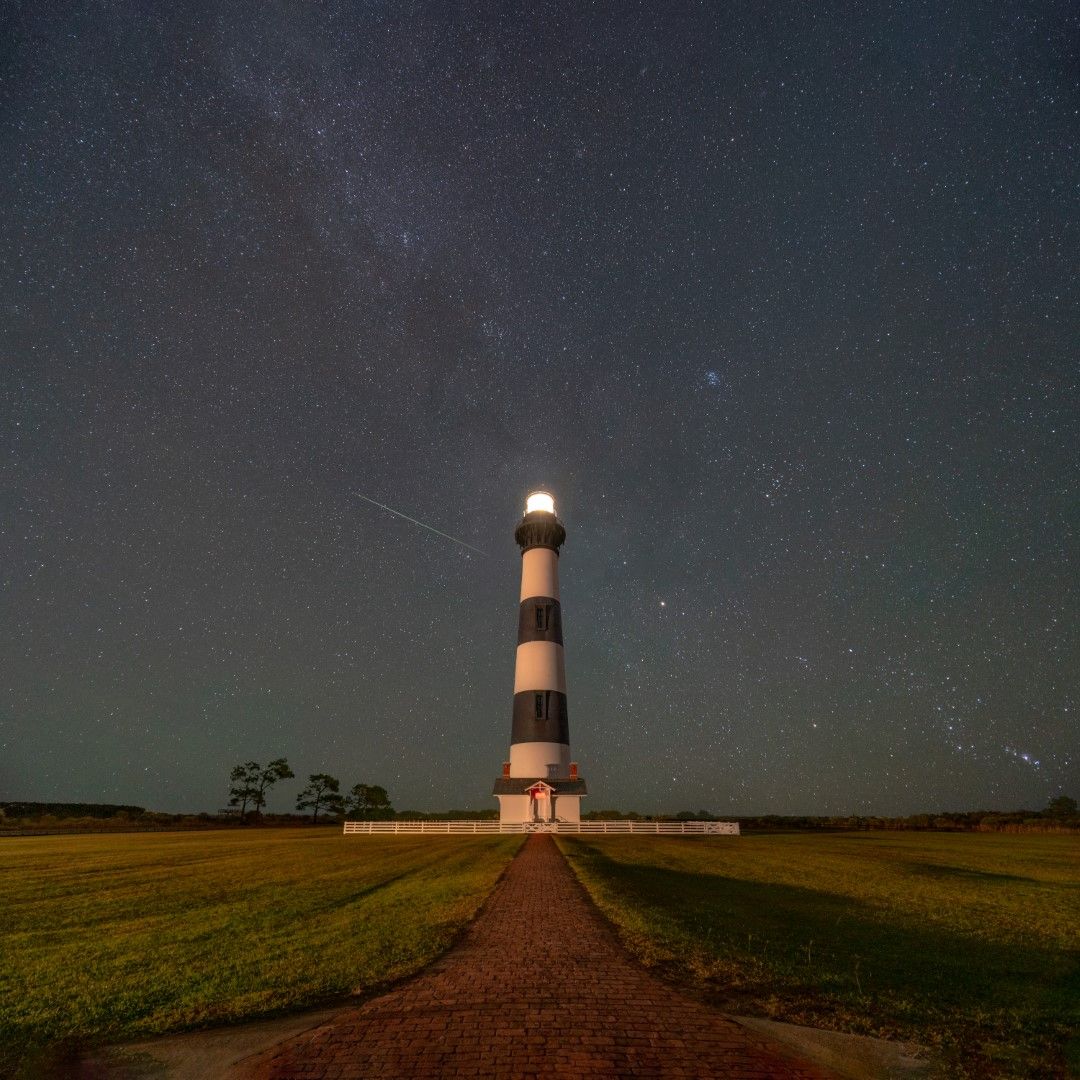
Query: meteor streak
(430, 528)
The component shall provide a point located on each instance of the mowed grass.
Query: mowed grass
(109, 937)
(967, 943)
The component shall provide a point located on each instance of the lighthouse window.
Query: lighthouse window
(541, 618)
(539, 706)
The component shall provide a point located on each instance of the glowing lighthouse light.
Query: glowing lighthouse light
(540, 501)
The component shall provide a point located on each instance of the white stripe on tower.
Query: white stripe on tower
(539, 573)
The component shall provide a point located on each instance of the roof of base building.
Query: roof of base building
(519, 785)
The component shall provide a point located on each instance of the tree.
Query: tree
(1062, 806)
(278, 769)
(368, 800)
(244, 787)
(251, 782)
(321, 792)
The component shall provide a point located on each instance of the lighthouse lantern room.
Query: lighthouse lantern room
(540, 783)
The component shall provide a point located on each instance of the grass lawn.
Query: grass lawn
(969, 943)
(108, 937)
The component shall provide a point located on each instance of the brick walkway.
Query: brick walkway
(537, 987)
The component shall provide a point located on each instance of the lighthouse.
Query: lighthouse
(539, 783)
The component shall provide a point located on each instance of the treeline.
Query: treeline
(250, 787)
(251, 784)
(20, 818)
(1061, 815)
(68, 810)
(323, 797)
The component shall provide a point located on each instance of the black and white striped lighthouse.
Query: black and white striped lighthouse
(540, 783)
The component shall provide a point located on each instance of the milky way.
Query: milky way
(780, 300)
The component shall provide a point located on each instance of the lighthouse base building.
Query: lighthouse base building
(540, 783)
(522, 799)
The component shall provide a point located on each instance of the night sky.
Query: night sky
(779, 300)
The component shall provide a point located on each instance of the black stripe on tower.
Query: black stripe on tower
(540, 619)
(540, 529)
(540, 716)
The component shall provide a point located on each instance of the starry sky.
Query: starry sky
(780, 301)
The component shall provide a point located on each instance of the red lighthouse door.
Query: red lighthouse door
(540, 802)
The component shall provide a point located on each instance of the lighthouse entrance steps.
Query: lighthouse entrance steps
(537, 987)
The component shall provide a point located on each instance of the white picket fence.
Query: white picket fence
(667, 828)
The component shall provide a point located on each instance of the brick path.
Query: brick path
(537, 987)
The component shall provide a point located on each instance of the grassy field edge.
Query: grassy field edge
(115, 938)
(968, 949)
